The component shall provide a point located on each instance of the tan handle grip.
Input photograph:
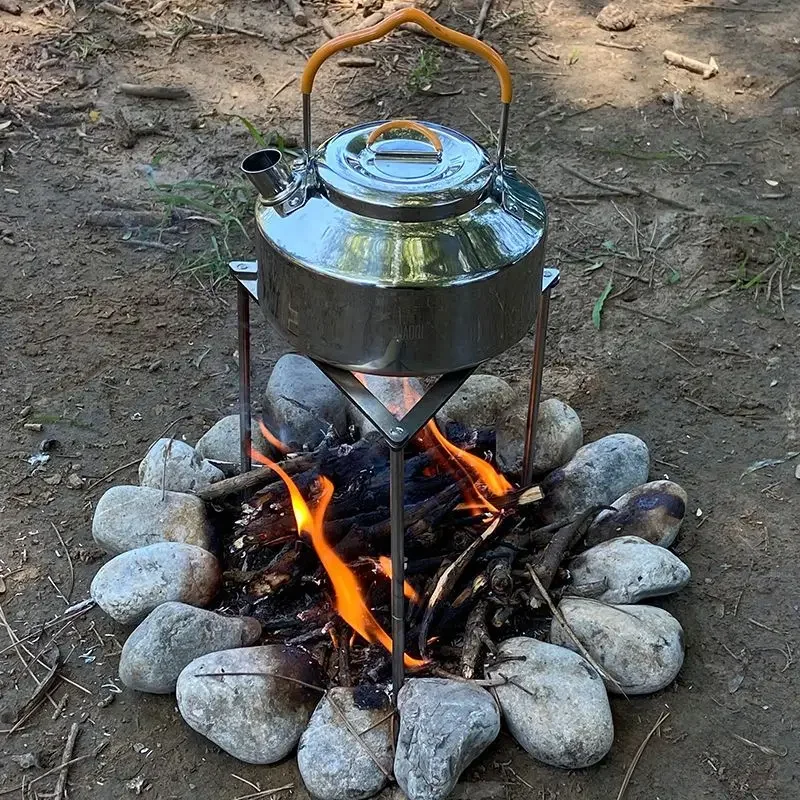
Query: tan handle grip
(395, 20)
(407, 124)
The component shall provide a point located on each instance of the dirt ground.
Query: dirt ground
(106, 342)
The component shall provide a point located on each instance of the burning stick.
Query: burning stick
(449, 579)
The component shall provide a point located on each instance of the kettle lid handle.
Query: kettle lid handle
(391, 22)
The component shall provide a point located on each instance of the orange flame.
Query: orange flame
(349, 603)
(279, 446)
(474, 469)
(385, 566)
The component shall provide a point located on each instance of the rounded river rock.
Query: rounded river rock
(237, 699)
(132, 584)
(334, 763)
(653, 511)
(561, 715)
(127, 517)
(641, 647)
(173, 635)
(444, 726)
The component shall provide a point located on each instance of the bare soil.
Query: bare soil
(105, 343)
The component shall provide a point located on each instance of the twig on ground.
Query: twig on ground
(510, 18)
(673, 350)
(617, 46)
(484, 12)
(69, 561)
(154, 92)
(265, 792)
(609, 187)
(767, 751)
(707, 69)
(70, 615)
(783, 84)
(69, 747)
(210, 23)
(627, 779)
(295, 36)
(99, 749)
(112, 474)
(298, 14)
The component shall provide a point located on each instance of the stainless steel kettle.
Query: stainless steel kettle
(398, 247)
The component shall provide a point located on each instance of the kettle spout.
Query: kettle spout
(268, 171)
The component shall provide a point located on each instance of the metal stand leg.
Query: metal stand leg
(537, 368)
(245, 439)
(396, 468)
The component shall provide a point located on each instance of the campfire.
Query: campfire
(521, 603)
(315, 544)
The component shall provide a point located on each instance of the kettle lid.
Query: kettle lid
(404, 170)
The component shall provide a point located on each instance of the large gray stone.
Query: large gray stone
(333, 762)
(596, 475)
(127, 517)
(558, 711)
(177, 467)
(626, 569)
(301, 406)
(641, 647)
(220, 443)
(444, 726)
(653, 511)
(481, 402)
(132, 584)
(257, 716)
(559, 434)
(397, 394)
(173, 635)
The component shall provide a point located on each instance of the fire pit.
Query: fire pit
(391, 582)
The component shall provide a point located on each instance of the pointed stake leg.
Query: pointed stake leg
(243, 309)
(396, 467)
(537, 368)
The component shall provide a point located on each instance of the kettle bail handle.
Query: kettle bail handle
(434, 28)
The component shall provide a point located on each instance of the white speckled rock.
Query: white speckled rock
(627, 569)
(173, 635)
(640, 646)
(559, 434)
(220, 443)
(397, 394)
(132, 584)
(335, 764)
(653, 511)
(301, 406)
(176, 466)
(444, 726)
(127, 517)
(596, 475)
(256, 717)
(481, 402)
(564, 718)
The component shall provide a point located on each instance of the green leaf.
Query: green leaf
(609, 245)
(597, 311)
(252, 130)
(673, 277)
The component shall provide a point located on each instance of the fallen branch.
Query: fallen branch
(297, 12)
(210, 23)
(69, 747)
(476, 637)
(781, 86)
(707, 70)
(636, 48)
(255, 478)
(154, 92)
(484, 12)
